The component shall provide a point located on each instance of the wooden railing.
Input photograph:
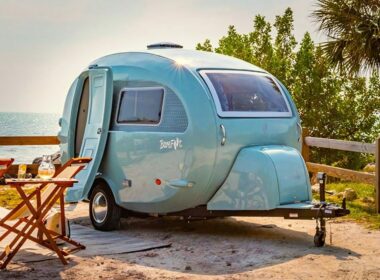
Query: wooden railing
(308, 142)
(342, 173)
(27, 140)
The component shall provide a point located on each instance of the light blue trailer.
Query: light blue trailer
(182, 132)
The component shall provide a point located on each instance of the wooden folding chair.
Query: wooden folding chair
(31, 213)
(4, 165)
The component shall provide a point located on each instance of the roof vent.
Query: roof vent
(164, 45)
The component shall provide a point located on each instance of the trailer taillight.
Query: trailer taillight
(158, 182)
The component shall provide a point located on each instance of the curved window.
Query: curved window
(140, 106)
(246, 94)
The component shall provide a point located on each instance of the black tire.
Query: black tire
(108, 219)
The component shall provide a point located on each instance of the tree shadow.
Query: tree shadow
(37, 268)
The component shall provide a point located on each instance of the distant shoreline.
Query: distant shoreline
(28, 124)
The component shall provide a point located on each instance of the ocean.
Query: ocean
(28, 124)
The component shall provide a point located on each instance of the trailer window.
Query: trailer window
(140, 106)
(246, 94)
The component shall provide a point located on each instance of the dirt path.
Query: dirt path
(230, 248)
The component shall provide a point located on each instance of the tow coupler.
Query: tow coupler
(324, 210)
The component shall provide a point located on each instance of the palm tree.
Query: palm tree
(353, 31)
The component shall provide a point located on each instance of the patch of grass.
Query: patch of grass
(9, 197)
(363, 208)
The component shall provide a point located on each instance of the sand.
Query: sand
(227, 248)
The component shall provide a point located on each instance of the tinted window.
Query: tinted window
(239, 92)
(141, 106)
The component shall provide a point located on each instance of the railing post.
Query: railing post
(377, 174)
(305, 148)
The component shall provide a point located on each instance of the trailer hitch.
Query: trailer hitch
(344, 203)
(320, 230)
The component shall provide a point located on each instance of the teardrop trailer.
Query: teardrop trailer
(187, 133)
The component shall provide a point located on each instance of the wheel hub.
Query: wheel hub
(99, 208)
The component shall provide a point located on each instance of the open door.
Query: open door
(96, 130)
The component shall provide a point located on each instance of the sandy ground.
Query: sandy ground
(229, 248)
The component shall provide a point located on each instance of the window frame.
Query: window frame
(126, 89)
(244, 114)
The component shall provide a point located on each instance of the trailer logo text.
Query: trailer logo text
(171, 144)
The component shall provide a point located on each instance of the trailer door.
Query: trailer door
(96, 130)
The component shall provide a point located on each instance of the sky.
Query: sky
(46, 44)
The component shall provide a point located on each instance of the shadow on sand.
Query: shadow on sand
(220, 246)
(201, 247)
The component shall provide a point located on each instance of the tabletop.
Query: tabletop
(57, 181)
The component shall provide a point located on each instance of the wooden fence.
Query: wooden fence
(346, 174)
(342, 173)
(30, 141)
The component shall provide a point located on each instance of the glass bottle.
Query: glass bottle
(46, 169)
(21, 171)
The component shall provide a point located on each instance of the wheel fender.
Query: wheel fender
(106, 180)
(262, 178)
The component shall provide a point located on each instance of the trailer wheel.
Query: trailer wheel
(319, 239)
(104, 213)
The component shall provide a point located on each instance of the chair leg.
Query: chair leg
(14, 227)
(34, 239)
(14, 230)
(19, 235)
(53, 244)
(26, 236)
(33, 222)
(77, 245)
(44, 209)
(18, 246)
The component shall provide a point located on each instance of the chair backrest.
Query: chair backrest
(4, 165)
(68, 170)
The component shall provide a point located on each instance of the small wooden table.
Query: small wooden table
(39, 208)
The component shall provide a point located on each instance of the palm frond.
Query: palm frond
(353, 29)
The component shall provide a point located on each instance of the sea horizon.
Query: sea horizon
(28, 124)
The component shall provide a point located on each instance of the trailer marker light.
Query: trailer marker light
(158, 182)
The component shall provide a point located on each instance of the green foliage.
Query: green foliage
(332, 104)
(261, 43)
(363, 208)
(284, 46)
(235, 44)
(206, 46)
(353, 29)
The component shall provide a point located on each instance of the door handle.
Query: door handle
(224, 137)
(299, 129)
(99, 131)
(180, 183)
